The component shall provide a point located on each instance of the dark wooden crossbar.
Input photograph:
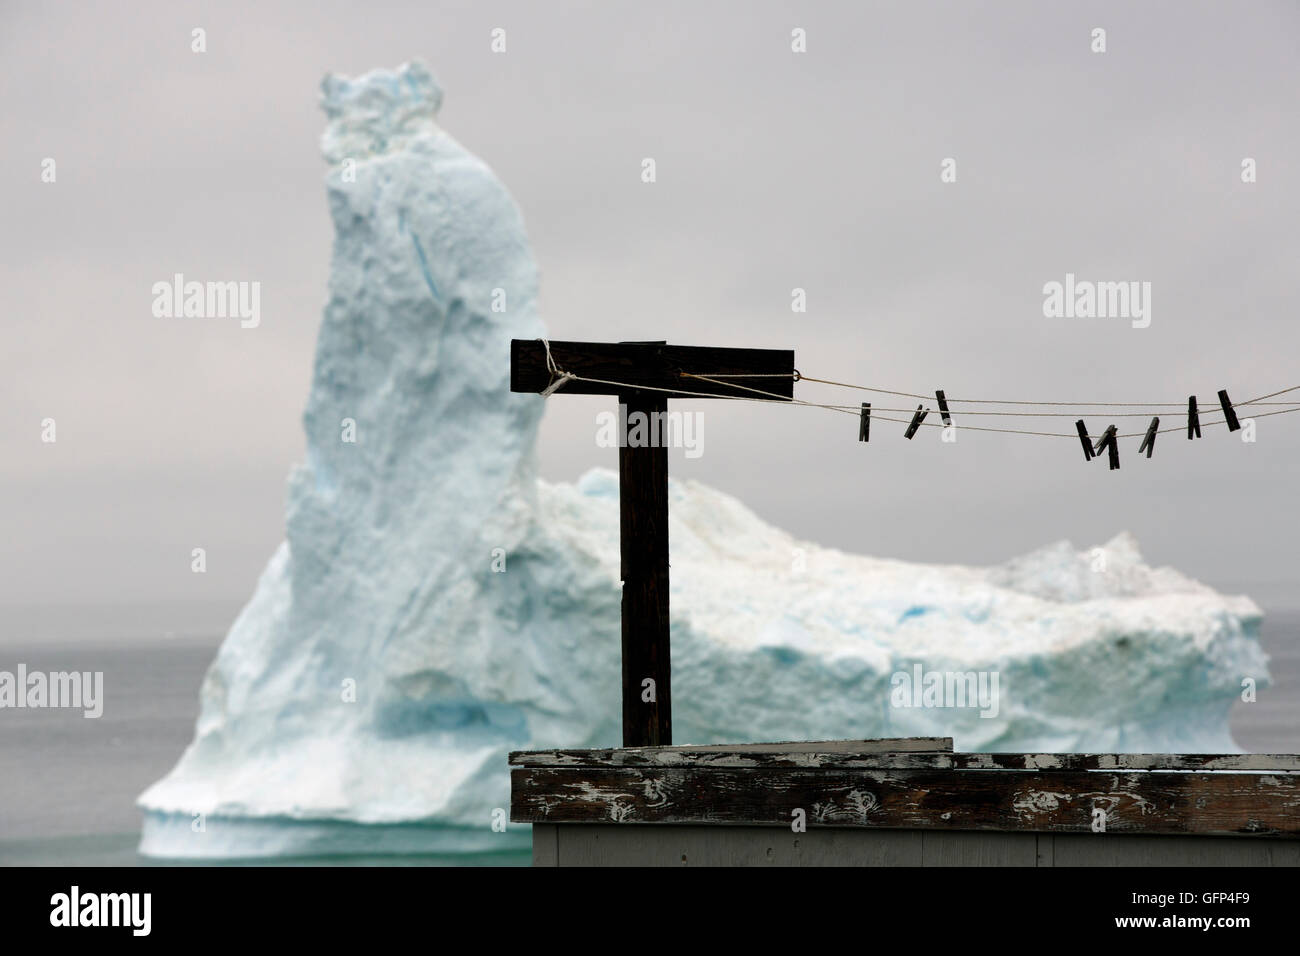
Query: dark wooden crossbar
(652, 364)
(634, 371)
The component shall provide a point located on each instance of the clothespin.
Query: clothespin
(921, 412)
(1149, 442)
(864, 423)
(1228, 413)
(1108, 442)
(1193, 419)
(943, 407)
(1083, 437)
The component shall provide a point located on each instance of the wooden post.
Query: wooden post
(643, 545)
(628, 369)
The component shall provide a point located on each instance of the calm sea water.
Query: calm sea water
(68, 785)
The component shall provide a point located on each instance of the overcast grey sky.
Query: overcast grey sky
(775, 170)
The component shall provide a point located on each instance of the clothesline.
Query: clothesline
(560, 377)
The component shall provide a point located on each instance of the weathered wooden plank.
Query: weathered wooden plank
(957, 848)
(546, 844)
(1045, 846)
(896, 754)
(609, 844)
(1255, 804)
(643, 542)
(866, 746)
(732, 755)
(1078, 849)
(597, 845)
(653, 364)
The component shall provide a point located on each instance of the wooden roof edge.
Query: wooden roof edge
(864, 746)
(813, 754)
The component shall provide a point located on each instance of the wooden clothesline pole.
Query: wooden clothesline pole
(643, 485)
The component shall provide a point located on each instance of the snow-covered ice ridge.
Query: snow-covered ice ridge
(385, 582)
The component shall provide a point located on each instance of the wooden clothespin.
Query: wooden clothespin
(1149, 442)
(1193, 419)
(1108, 442)
(1084, 439)
(1228, 413)
(864, 423)
(921, 412)
(943, 407)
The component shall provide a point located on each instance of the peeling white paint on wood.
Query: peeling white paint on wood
(1046, 799)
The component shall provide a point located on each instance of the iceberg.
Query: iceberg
(436, 605)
